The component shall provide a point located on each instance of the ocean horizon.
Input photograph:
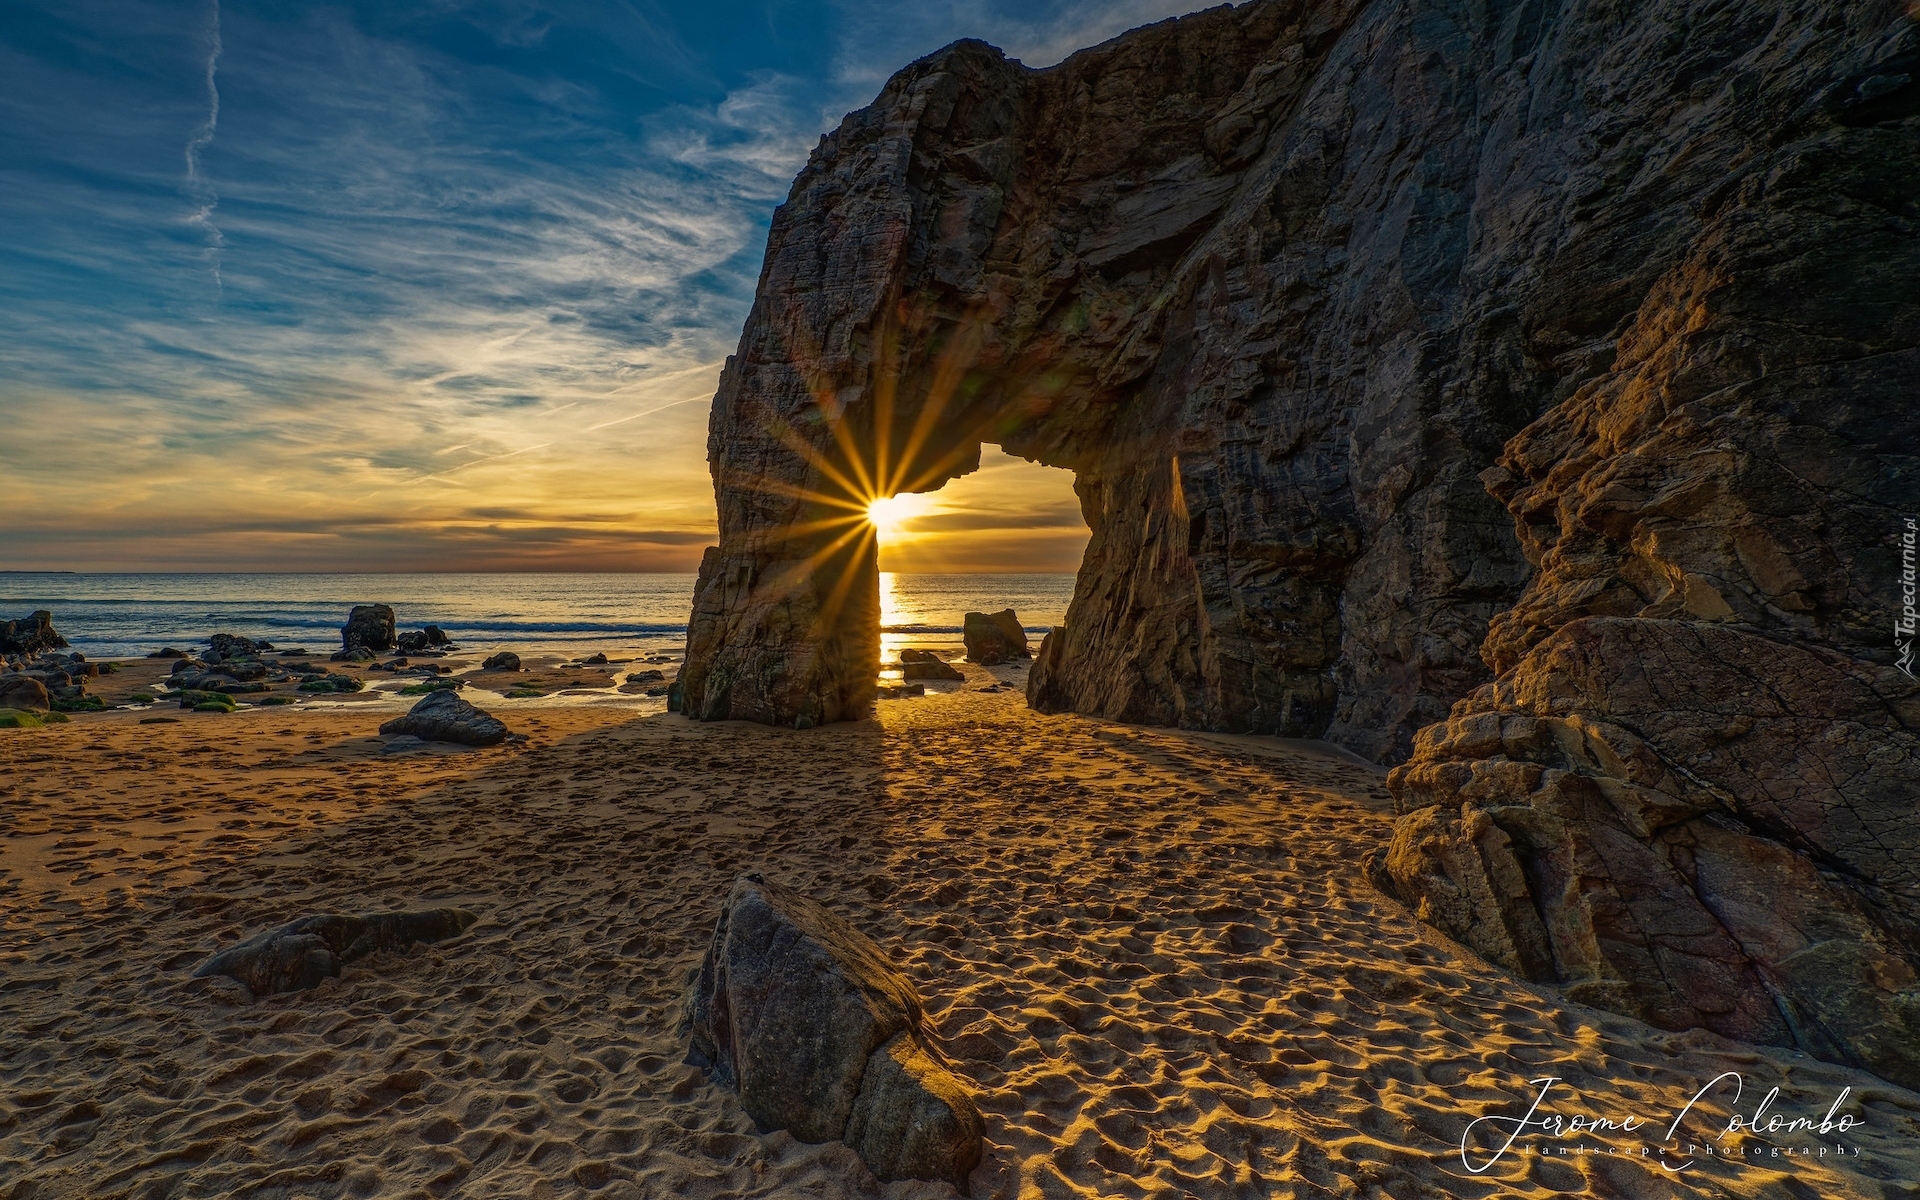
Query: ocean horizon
(126, 614)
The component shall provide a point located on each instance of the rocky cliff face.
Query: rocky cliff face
(1554, 360)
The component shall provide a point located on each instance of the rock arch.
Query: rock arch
(1519, 391)
(1053, 261)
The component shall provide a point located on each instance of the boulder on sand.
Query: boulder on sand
(301, 954)
(446, 717)
(506, 660)
(31, 634)
(369, 626)
(23, 692)
(994, 637)
(802, 1014)
(930, 667)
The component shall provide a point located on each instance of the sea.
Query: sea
(114, 615)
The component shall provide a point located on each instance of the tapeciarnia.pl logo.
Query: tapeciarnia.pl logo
(1903, 625)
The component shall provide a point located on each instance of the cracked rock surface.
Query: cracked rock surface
(803, 1015)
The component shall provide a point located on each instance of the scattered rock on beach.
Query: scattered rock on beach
(227, 645)
(23, 692)
(506, 660)
(31, 634)
(369, 626)
(446, 717)
(931, 667)
(299, 955)
(994, 638)
(168, 652)
(802, 1014)
(429, 637)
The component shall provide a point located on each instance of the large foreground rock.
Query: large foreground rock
(994, 638)
(300, 954)
(447, 717)
(31, 635)
(802, 1014)
(368, 627)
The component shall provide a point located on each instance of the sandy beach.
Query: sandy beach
(1152, 955)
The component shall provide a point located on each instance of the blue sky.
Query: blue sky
(413, 286)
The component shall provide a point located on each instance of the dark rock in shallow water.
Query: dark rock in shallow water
(506, 660)
(994, 638)
(422, 641)
(23, 692)
(168, 652)
(301, 954)
(802, 1014)
(369, 626)
(228, 645)
(447, 717)
(31, 634)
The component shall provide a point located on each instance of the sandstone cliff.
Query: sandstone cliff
(1555, 360)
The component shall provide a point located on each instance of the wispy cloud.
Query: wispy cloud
(199, 188)
(475, 251)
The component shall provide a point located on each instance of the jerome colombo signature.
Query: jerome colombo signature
(1554, 1125)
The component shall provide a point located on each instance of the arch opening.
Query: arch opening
(1009, 534)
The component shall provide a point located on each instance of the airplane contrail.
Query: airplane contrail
(198, 187)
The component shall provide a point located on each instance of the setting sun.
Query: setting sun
(889, 515)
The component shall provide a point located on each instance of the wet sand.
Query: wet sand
(1152, 954)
